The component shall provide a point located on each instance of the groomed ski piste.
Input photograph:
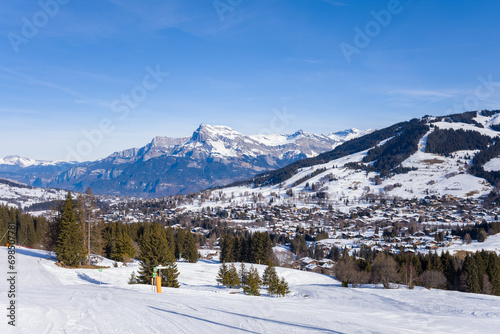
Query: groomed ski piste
(50, 299)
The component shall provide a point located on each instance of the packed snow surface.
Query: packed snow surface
(57, 300)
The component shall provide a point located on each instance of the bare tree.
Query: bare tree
(433, 279)
(348, 272)
(384, 270)
(408, 275)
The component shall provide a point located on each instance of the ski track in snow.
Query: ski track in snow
(58, 300)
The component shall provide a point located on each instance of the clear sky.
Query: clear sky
(81, 79)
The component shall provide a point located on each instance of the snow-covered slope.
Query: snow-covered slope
(20, 195)
(50, 299)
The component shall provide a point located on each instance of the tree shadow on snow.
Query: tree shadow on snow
(39, 255)
(304, 326)
(89, 279)
(201, 319)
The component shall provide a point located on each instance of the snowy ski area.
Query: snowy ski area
(51, 299)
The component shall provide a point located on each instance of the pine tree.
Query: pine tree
(190, 249)
(252, 282)
(227, 247)
(471, 274)
(133, 278)
(243, 273)
(180, 244)
(282, 288)
(123, 250)
(170, 275)
(493, 271)
(155, 251)
(233, 278)
(170, 239)
(70, 248)
(222, 276)
(270, 278)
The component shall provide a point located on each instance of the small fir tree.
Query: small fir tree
(233, 278)
(243, 274)
(252, 282)
(222, 276)
(269, 273)
(282, 289)
(133, 278)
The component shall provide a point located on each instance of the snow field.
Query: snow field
(59, 300)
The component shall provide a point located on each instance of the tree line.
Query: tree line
(251, 248)
(250, 281)
(30, 231)
(446, 141)
(471, 272)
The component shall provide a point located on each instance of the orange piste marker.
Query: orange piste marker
(158, 284)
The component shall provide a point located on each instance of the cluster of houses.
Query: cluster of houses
(409, 225)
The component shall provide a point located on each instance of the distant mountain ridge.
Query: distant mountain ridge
(212, 156)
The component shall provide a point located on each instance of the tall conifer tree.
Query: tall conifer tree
(70, 248)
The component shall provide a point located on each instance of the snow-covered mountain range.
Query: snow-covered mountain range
(15, 160)
(212, 156)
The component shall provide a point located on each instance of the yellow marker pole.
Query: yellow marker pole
(158, 282)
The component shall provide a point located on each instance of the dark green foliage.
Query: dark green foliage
(477, 273)
(466, 117)
(227, 244)
(155, 251)
(307, 177)
(222, 276)
(186, 245)
(271, 279)
(261, 247)
(252, 282)
(169, 275)
(233, 277)
(447, 141)
(388, 156)
(473, 231)
(483, 157)
(228, 276)
(243, 273)
(253, 248)
(282, 288)
(471, 271)
(29, 231)
(117, 242)
(70, 248)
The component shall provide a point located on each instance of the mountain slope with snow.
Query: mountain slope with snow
(392, 162)
(50, 299)
(21, 195)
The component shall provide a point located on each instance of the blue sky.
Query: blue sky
(66, 70)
